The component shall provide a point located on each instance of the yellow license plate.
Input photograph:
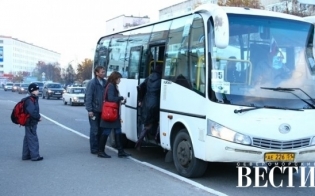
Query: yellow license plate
(274, 157)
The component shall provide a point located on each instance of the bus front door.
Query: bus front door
(154, 57)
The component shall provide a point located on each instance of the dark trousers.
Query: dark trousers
(30, 143)
(95, 132)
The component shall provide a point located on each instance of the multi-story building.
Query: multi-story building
(181, 8)
(306, 7)
(122, 22)
(18, 56)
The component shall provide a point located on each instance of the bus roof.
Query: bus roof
(310, 19)
(228, 10)
(260, 12)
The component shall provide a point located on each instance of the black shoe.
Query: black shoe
(94, 152)
(26, 158)
(38, 159)
(122, 153)
(103, 155)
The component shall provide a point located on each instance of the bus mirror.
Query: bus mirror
(221, 28)
(221, 23)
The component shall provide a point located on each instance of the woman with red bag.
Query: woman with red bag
(112, 95)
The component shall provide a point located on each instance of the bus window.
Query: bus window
(117, 54)
(101, 53)
(160, 32)
(156, 57)
(134, 60)
(139, 37)
(177, 49)
(196, 55)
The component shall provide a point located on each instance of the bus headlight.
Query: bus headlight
(219, 131)
(313, 141)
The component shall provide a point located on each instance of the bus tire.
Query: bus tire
(186, 163)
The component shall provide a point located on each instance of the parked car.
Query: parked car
(23, 89)
(16, 87)
(41, 86)
(52, 90)
(74, 96)
(8, 86)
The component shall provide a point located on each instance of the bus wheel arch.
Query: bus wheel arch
(186, 163)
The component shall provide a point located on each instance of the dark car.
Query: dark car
(16, 87)
(41, 86)
(23, 89)
(54, 90)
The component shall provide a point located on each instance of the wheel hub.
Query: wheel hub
(183, 153)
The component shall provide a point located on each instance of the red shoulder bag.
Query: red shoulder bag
(109, 109)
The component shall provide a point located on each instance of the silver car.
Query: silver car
(8, 86)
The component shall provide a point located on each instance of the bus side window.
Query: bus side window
(196, 54)
(177, 49)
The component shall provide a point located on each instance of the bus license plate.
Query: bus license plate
(274, 157)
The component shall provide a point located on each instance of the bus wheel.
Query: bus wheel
(185, 161)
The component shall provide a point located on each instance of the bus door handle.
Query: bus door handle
(170, 116)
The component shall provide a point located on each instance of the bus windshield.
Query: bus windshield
(264, 54)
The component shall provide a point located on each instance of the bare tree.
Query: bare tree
(241, 3)
(196, 4)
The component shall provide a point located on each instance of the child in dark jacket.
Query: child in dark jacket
(30, 143)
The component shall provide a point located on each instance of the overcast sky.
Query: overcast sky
(69, 27)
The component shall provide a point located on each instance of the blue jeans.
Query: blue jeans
(95, 132)
(106, 131)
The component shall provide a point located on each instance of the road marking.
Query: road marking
(65, 127)
(188, 181)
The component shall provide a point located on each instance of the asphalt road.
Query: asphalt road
(69, 169)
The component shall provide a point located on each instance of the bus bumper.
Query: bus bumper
(223, 151)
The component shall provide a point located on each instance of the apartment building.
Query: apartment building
(122, 22)
(19, 56)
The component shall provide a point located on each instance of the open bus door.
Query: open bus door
(130, 111)
(155, 56)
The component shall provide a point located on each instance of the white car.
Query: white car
(8, 86)
(74, 96)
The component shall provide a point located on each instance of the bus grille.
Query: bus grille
(282, 145)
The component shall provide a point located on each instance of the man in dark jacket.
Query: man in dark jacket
(30, 142)
(149, 93)
(93, 104)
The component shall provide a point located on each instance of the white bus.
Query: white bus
(310, 19)
(238, 85)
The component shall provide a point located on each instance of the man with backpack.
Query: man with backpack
(30, 142)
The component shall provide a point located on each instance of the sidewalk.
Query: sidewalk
(69, 169)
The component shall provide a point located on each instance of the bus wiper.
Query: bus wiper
(290, 90)
(247, 109)
(265, 106)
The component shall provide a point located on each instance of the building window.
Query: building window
(1, 41)
(1, 66)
